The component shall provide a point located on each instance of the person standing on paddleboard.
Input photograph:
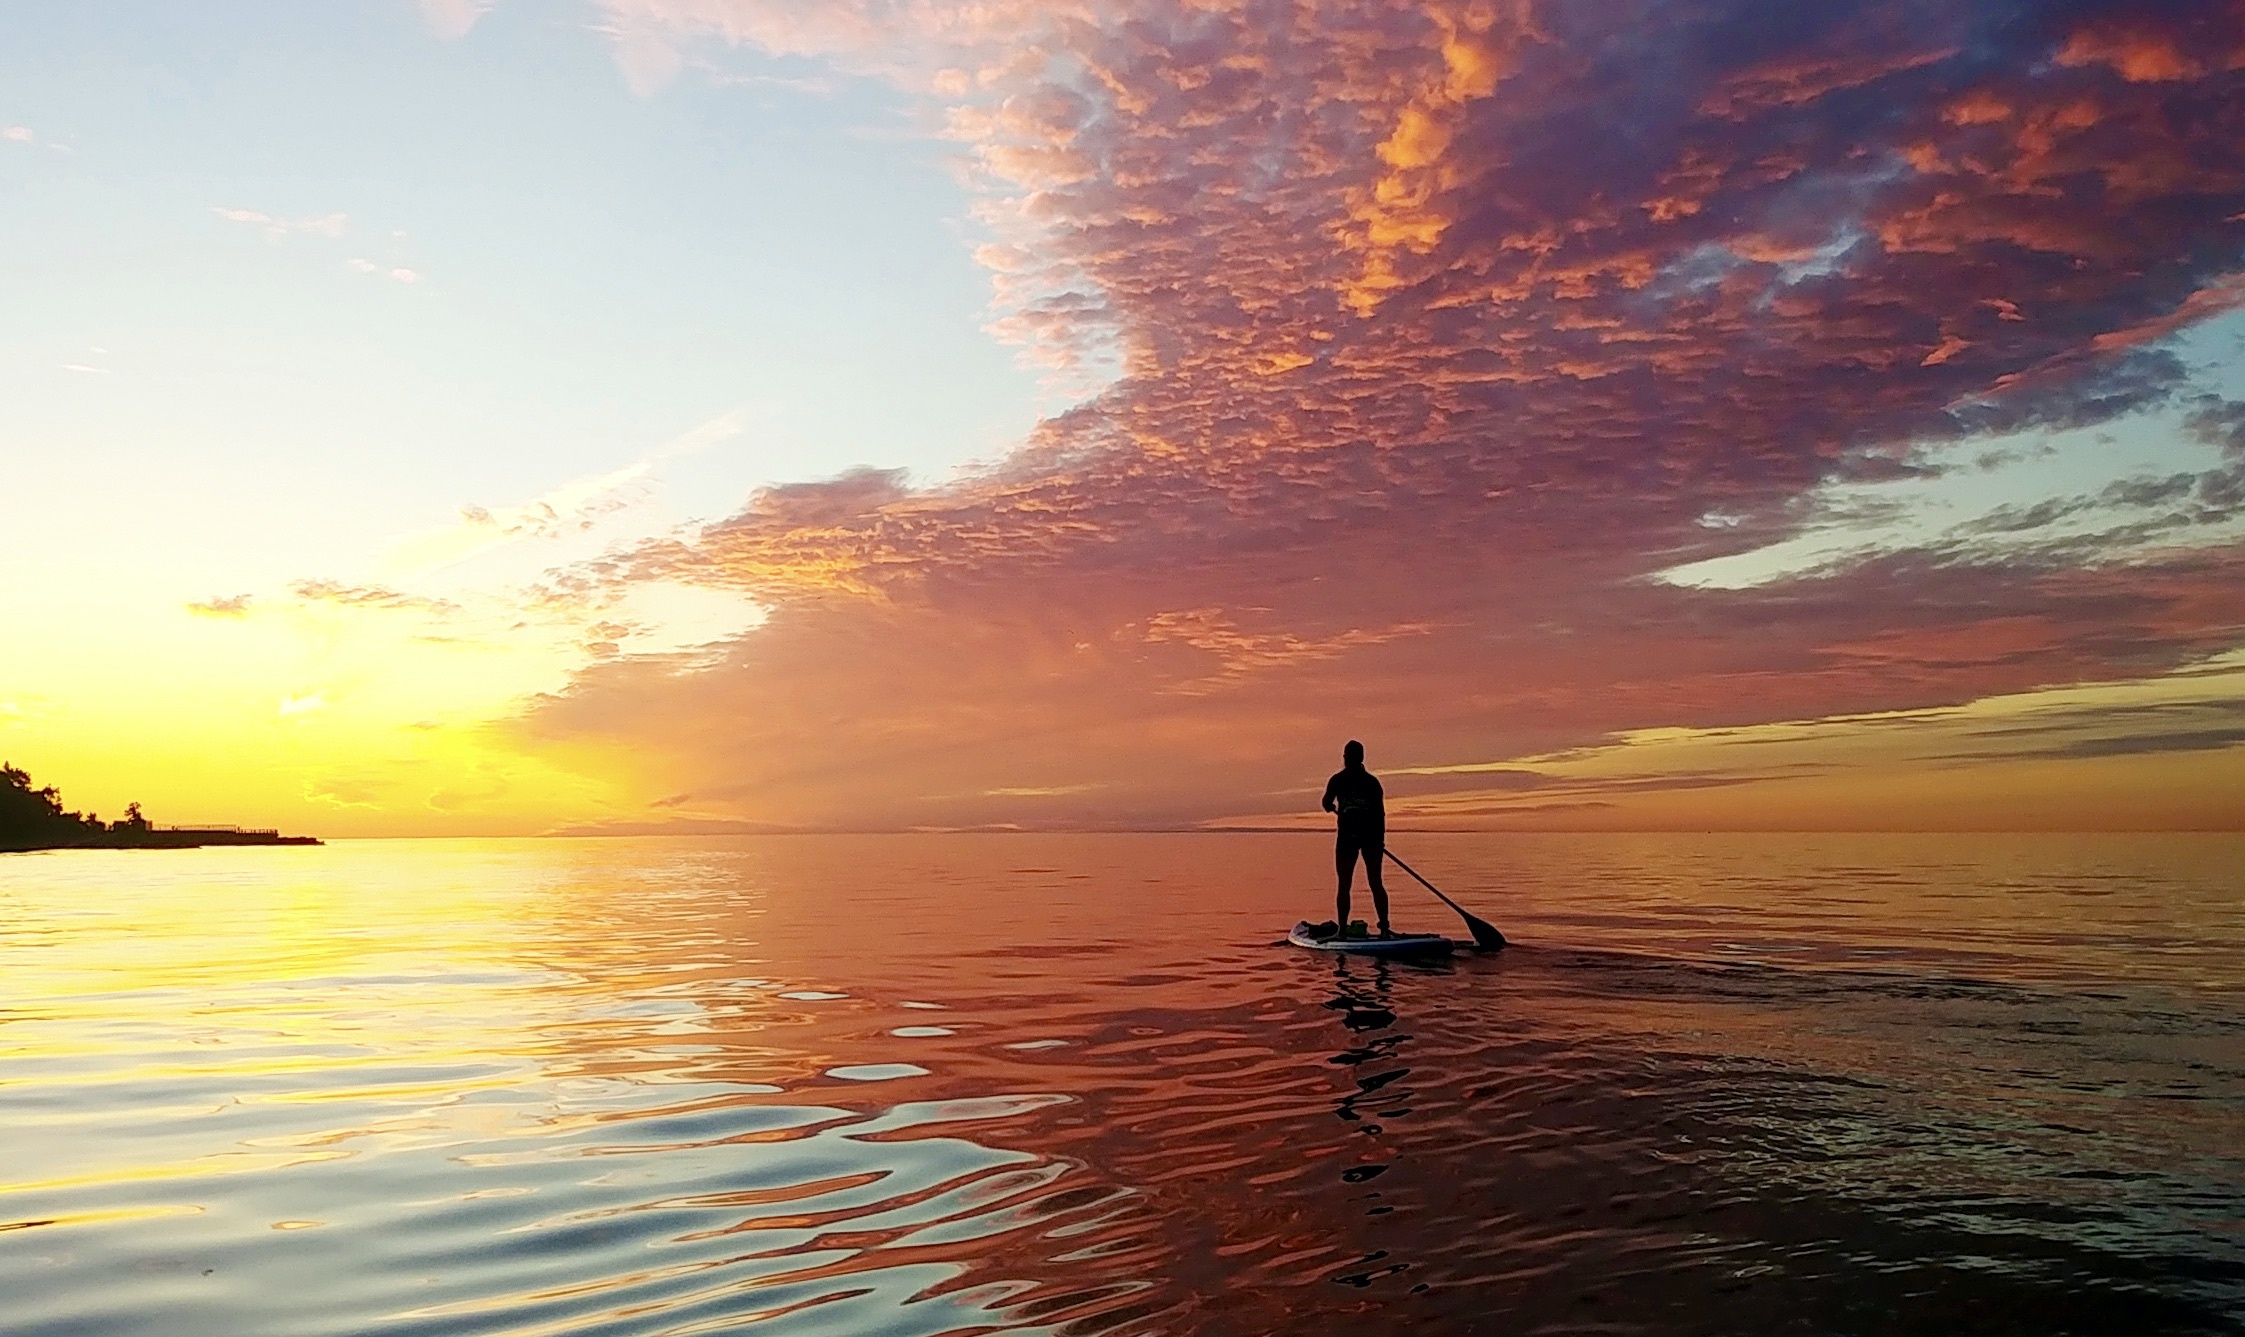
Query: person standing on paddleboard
(1353, 796)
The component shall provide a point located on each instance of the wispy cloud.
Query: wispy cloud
(24, 134)
(394, 273)
(320, 225)
(453, 19)
(1992, 752)
(231, 605)
(575, 507)
(93, 366)
(369, 596)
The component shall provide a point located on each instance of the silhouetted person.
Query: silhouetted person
(1353, 795)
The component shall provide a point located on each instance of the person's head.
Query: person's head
(1353, 754)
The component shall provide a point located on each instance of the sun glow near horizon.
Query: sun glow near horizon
(748, 416)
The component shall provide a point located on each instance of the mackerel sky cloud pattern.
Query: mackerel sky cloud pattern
(1442, 334)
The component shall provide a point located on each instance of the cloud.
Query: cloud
(575, 507)
(320, 225)
(2110, 729)
(1239, 653)
(451, 20)
(369, 597)
(1989, 763)
(396, 274)
(1439, 333)
(24, 134)
(2196, 740)
(685, 826)
(232, 605)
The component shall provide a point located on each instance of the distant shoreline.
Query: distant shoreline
(34, 819)
(162, 838)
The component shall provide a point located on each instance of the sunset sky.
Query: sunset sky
(701, 415)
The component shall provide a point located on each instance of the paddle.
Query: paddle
(1485, 935)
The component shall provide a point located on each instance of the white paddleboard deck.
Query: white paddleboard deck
(1402, 944)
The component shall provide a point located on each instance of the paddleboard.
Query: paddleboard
(1402, 944)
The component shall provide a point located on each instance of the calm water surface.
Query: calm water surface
(963, 1084)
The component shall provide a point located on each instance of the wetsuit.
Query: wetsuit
(1353, 794)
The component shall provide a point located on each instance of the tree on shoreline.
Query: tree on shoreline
(31, 818)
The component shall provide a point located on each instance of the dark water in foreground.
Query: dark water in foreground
(918, 1085)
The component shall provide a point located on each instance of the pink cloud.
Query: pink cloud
(1443, 331)
(452, 19)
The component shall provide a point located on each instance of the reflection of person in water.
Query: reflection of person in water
(1353, 796)
(1375, 1047)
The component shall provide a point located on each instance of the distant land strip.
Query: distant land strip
(34, 819)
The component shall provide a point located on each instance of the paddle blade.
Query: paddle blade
(1485, 935)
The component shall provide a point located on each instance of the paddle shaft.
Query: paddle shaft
(1484, 934)
(1424, 883)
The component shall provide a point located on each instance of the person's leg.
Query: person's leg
(1344, 867)
(1373, 858)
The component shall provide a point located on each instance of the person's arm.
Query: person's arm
(1327, 802)
(1379, 800)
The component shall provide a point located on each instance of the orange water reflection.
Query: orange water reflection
(941, 1084)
